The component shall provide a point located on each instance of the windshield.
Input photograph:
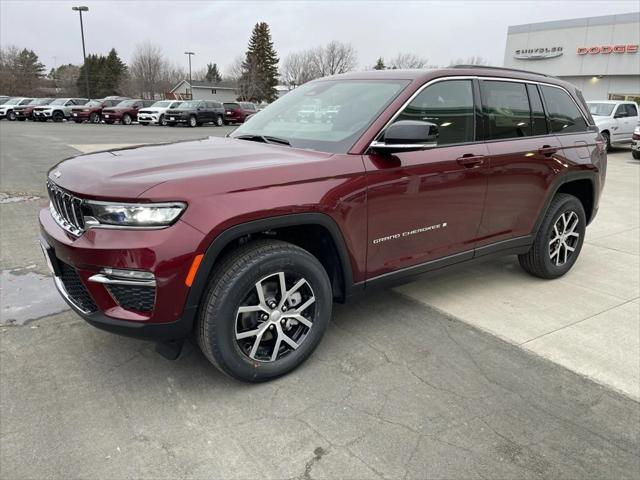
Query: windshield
(327, 116)
(163, 104)
(191, 104)
(41, 101)
(127, 103)
(601, 109)
(13, 100)
(3, 101)
(59, 101)
(93, 103)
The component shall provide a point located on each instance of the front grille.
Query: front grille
(66, 209)
(76, 290)
(131, 297)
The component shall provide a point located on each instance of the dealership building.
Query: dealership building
(597, 54)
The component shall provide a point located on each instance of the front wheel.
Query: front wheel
(635, 154)
(94, 117)
(58, 116)
(126, 119)
(193, 121)
(162, 121)
(11, 116)
(265, 310)
(559, 239)
(219, 121)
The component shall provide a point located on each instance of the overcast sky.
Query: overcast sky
(218, 30)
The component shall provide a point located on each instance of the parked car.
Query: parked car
(92, 111)
(24, 112)
(245, 242)
(125, 112)
(635, 142)
(7, 108)
(58, 110)
(237, 112)
(195, 113)
(156, 112)
(615, 119)
(3, 99)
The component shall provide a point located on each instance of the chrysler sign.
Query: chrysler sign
(538, 53)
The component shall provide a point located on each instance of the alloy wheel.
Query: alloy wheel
(564, 238)
(275, 317)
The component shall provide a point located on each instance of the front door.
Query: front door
(425, 205)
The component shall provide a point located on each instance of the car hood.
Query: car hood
(220, 164)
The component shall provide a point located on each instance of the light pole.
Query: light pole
(190, 86)
(84, 54)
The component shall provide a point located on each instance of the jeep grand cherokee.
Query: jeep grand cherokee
(245, 242)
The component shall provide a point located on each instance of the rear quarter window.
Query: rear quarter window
(564, 115)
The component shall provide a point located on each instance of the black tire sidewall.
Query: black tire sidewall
(162, 121)
(126, 119)
(635, 154)
(222, 316)
(93, 117)
(193, 122)
(569, 203)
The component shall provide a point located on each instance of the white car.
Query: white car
(635, 143)
(6, 109)
(615, 119)
(155, 113)
(57, 110)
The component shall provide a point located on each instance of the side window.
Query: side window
(449, 105)
(564, 116)
(632, 111)
(506, 108)
(621, 111)
(538, 119)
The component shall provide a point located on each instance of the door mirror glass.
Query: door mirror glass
(413, 132)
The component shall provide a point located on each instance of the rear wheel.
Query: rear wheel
(265, 310)
(635, 154)
(94, 117)
(58, 116)
(219, 121)
(193, 122)
(126, 119)
(559, 239)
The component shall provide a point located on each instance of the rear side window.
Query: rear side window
(538, 119)
(506, 107)
(564, 116)
(632, 111)
(231, 106)
(449, 105)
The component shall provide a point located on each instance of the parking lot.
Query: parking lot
(479, 373)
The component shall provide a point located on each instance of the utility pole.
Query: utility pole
(190, 86)
(84, 53)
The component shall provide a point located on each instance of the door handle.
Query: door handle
(547, 150)
(469, 160)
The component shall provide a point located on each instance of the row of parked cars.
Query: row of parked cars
(125, 110)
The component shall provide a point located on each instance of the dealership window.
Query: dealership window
(449, 105)
(506, 108)
(564, 116)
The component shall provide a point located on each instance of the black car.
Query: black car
(196, 112)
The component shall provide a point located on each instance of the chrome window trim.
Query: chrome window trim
(476, 77)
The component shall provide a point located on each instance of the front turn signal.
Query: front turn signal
(193, 270)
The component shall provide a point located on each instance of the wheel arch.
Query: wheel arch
(317, 233)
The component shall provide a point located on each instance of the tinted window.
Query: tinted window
(632, 111)
(506, 108)
(538, 119)
(448, 104)
(564, 116)
(231, 106)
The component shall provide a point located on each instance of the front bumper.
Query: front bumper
(149, 118)
(43, 113)
(112, 117)
(167, 253)
(80, 115)
(177, 118)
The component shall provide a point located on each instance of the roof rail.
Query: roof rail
(502, 68)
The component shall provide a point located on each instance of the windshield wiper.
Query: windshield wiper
(265, 139)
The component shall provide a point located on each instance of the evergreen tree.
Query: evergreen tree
(28, 70)
(105, 75)
(213, 74)
(379, 64)
(260, 67)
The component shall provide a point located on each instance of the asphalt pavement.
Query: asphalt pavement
(396, 389)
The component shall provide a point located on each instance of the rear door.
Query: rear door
(522, 149)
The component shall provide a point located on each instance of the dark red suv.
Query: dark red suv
(92, 111)
(125, 112)
(245, 242)
(237, 112)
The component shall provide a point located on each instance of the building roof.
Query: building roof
(632, 17)
(201, 84)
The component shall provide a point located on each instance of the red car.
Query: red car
(125, 111)
(237, 112)
(245, 242)
(24, 112)
(92, 111)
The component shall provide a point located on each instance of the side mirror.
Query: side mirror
(408, 135)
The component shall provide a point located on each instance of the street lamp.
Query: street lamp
(84, 54)
(190, 86)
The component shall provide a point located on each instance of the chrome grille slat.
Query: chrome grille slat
(66, 209)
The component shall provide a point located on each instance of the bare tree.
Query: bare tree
(298, 68)
(473, 60)
(408, 61)
(233, 72)
(8, 78)
(334, 58)
(147, 69)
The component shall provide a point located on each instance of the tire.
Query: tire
(234, 283)
(548, 258)
(193, 121)
(94, 117)
(635, 154)
(57, 116)
(126, 119)
(219, 121)
(226, 122)
(607, 140)
(11, 116)
(21, 119)
(162, 121)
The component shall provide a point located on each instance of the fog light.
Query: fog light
(128, 274)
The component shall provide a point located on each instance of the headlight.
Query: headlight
(132, 214)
